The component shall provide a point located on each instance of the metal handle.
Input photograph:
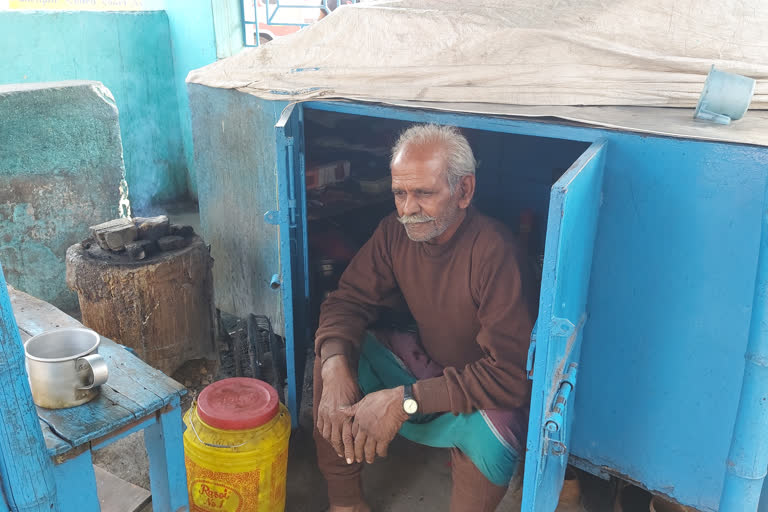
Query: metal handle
(194, 430)
(97, 369)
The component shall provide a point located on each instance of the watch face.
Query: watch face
(410, 406)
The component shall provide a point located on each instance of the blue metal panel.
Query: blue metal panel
(293, 248)
(748, 456)
(671, 293)
(762, 506)
(533, 127)
(26, 471)
(571, 229)
(672, 288)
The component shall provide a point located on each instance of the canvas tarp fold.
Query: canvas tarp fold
(549, 53)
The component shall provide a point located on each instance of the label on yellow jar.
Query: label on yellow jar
(210, 491)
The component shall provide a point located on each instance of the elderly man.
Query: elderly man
(462, 279)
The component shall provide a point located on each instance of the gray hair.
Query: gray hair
(460, 161)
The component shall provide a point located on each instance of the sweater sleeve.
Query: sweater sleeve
(367, 283)
(498, 380)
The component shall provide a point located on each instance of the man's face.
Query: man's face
(422, 195)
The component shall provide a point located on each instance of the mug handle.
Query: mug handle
(706, 115)
(97, 368)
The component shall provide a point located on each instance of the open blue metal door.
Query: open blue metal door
(573, 212)
(293, 280)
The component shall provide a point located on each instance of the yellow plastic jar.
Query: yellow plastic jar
(236, 448)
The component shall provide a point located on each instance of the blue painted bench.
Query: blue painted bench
(136, 397)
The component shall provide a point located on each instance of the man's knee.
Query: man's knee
(471, 490)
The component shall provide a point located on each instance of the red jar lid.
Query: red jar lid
(238, 403)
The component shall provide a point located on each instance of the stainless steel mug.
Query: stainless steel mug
(64, 367)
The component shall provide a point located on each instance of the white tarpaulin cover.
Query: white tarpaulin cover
(533, 57)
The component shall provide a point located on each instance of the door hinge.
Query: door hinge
(558, 327)
(562, 327)
(272, 217)
(554, 421)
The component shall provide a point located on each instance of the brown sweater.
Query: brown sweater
(469, 298)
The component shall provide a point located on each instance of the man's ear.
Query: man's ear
(466, 190)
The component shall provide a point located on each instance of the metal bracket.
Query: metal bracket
(562, 327)
(555, 421)
(272, 217)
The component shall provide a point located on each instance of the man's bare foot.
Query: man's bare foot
(362, 507)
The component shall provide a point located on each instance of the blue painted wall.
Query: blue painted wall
(60, 170)
(131, 53)
(194, 46)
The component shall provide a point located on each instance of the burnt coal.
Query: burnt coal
(138, 239)
(171, 243)
(141, 249)
(114, 234)
(182, 230)
(152, 228)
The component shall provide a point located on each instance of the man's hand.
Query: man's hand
(340, 390)
(378, 417)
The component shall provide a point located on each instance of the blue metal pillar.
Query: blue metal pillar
(748, 456)
(26, 470)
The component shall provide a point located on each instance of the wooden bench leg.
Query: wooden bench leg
(165, 449)
(76, 485)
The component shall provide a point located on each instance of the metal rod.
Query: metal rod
(748, 456)
(26, 470)
(257, 39)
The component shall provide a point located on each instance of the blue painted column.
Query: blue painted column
(26, 469)
(748, 456)
(193, 40)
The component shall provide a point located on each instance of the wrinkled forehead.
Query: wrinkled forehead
(420, 162)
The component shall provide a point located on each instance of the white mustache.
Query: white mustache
(415, 219)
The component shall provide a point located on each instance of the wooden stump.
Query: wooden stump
(162, 307)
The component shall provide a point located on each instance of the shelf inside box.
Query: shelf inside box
(332, 203)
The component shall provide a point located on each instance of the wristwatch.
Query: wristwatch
(410, 405)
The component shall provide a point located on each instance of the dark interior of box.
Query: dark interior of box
(514, 176)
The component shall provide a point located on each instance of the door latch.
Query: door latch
(554, 422)
(531, 352)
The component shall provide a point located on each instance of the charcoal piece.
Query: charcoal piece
(152, 228)
(182, 230)
(141, 249)
(114, 234)
(171, 243)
